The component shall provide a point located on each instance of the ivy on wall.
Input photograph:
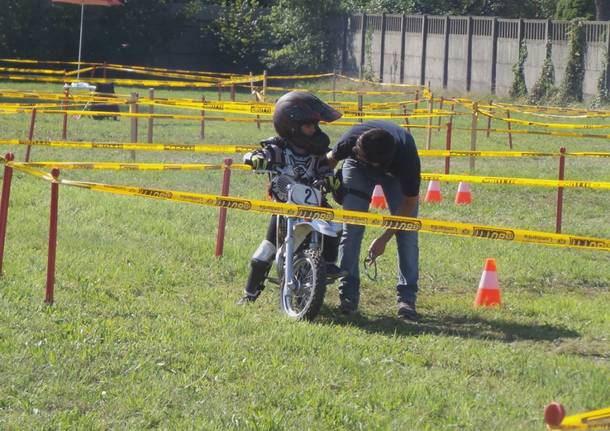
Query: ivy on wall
(544, 88)
(368, 71)
(570, 90)
(518, 87)
(603, 93)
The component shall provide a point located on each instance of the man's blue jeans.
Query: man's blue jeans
(357, 176)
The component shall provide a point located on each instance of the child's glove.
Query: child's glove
(259, 162)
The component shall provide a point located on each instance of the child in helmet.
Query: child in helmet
(299, 151)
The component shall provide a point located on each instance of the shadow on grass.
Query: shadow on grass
(458, 326)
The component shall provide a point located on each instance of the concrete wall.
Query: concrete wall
(464, 58)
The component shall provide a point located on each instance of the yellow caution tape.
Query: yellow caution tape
(424, 176)
(595, 419)
(536, 132)
(351, 92)
(134, 147)
(458, 153)
(339, 215)
(221, 148)
(549, 110)
(133, 82)
(518, 181)
(132, 166)
(312, 76)
(167, 74)
(40, 71)
(547, 125)
(355, 217)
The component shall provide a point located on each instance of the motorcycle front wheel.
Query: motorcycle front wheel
(303, 300)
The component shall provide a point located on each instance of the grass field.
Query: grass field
(145, 332)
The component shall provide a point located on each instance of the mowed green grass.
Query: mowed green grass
(145, 332)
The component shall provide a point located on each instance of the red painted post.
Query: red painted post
(202, 131)
(491, 102)
(6, 195)
(30, 135)
(440, 108)
(64, 130)
(510, 135)
(222, 217)
(232, 92)
(562, 165)
(52, 238)
(416, 99)
(151, 111)
(448, 147)
(404, 109)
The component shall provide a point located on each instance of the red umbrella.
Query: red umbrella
(82, 4)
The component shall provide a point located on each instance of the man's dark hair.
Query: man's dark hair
(377, 146)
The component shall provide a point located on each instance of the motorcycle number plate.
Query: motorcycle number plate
(305, 195)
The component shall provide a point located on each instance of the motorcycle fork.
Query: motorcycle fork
(289, 253)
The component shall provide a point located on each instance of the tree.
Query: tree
(572, 9)
(238, 33)
(307, 34)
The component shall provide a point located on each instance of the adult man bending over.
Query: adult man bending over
(379, 152)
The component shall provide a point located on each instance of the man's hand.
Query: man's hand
(332, 183)
(376, 249)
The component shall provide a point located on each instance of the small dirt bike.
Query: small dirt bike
(301, 273)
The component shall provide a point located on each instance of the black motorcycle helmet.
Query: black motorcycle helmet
(297, 108)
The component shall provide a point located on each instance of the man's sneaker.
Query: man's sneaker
(333, 272)
(348, 306)
(247, 299)
(406, 310)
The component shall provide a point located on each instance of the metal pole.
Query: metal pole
(4, 202)
(562, 165)
(360, 107)
(446, 52)
(30, 135)
(80, 40)
(382, 48)
(424, 41)
(403, 32)
(222, 217)
(52, 238)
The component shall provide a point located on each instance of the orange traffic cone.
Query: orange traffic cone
(434, 192)
(489, 289)
(463, 195)
(378, 198)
